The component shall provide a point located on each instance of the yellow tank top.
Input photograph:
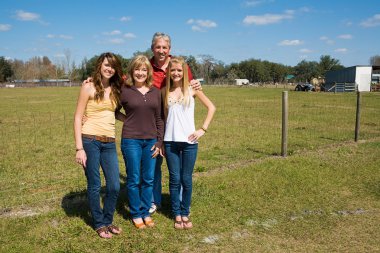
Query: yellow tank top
(100, 118)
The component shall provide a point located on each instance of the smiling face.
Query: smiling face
(176, 73)
(161, 50)
(140, 74)
(106, 70)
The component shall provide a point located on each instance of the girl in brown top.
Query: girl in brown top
(142, 137)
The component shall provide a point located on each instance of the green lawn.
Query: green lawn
(324, 197)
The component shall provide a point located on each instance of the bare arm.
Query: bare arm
(83, 98)
(210, 114)
(119, 115)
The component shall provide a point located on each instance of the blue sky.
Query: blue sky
(285, 31)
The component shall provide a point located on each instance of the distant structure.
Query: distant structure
(355, 78)
(241, 82)
(201, 80)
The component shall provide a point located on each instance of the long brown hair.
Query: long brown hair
(185, 81)
(138, 61)
(115, 81)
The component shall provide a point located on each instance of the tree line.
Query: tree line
(207, 67)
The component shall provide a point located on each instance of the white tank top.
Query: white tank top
(180, 121)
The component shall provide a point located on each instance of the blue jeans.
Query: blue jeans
(140, 171)
(180, 158)
(104, 155)
(157, 184)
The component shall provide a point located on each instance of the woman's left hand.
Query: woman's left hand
(196, 135)
(156, 151)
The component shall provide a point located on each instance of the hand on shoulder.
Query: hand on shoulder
(88, 88)
(88, 80)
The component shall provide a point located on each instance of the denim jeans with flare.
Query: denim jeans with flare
(101, 154)
(180, 158)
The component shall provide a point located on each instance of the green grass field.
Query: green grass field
(324, 197)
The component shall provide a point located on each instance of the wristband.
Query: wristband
(204, 129)
(78, 149)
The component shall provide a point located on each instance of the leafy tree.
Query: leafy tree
(148, 53)
(219, 72)
(207, 65)
(194, 66)
(5, 69)
(327, 63)
(375, 60)
(306, 70)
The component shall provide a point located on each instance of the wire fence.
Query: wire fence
(37, 148)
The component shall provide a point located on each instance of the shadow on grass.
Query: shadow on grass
(75, 204)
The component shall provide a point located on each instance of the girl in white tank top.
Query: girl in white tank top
(181, 137)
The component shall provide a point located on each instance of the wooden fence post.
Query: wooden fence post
(284, 141)
(357, 123)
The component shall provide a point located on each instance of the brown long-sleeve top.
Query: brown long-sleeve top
(142, 114)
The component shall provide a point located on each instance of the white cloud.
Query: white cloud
(27, 16)
(341, 50)
(59, 55)
(5, 27)
(267, 19)
(304, 9)
(65, 37)
(129, 36)
(196, 28)
(305, 51)
(372, 21)
(200, 25)
(255, 3)
(290, 43)
(345, 36)
(112, 33)
(347, 23)
(125, 19)
(61, 36)
(327, 40)
(116, 41)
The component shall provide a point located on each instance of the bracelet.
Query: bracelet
(78, 149)
(204, 129)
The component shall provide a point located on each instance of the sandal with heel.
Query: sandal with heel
(114, 229)
(103, 233)
(187, 224)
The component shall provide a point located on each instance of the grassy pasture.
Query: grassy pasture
(324, 197)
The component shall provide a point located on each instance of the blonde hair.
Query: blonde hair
(138, 61)
(185, 81)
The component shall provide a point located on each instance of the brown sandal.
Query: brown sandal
(149, 222)
(140, 225)
(114, 229)
(187, 224)
(178, 224)
(103, 233)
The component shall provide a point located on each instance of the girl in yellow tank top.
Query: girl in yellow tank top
(95, 140)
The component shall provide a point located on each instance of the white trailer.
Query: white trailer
(359, 75)
(241, 81)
